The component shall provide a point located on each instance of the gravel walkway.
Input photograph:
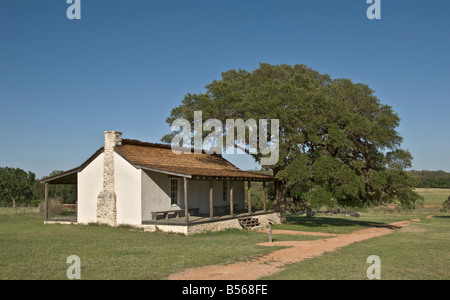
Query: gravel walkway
(275, 261)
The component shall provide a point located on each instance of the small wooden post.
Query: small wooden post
(249, 192)
(231, 199)
(211, 204)
(46, 201)
(186, 210)
(270, 232)
(265, 196)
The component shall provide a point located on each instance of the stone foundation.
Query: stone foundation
(210, 226)
(189, 229)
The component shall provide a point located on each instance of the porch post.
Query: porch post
(249, 192)
(211, 204)
(231, 199)
(264, 196)
(186, 210)
(46, 201)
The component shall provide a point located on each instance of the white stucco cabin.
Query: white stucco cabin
(147, 185)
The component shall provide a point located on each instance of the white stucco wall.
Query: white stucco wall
(198, 194)
(127, 187)
(140, 192)
(90, 184)
(155, 193)
(128, 191)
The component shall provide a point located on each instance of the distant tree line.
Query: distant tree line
(21, 188)
(432, 179)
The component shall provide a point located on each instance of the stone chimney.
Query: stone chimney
(106, 201)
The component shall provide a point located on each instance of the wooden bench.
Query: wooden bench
(165, 213)
(176, 213)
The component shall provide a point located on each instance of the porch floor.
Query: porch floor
(204, 218)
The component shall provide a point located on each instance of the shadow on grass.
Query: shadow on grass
(317, 222)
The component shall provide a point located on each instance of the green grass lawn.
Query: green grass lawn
(417, 252)
(31, 250)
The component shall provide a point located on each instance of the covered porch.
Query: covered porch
(237, 206)
(69, 212)
(69, 177)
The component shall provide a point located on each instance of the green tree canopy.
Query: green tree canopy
(16, 185)
(66, 193)
(338, 143)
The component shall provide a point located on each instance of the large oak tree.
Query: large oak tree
(338, 142)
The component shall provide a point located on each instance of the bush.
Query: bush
(446, 205)
(55, 206)
(35, 203)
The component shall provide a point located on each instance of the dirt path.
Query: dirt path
(282, 231)
(275, 261)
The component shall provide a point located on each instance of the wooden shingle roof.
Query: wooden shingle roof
(161, 158)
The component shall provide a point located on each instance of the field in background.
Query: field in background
(31, 250)
(18, 210)
(433, 198)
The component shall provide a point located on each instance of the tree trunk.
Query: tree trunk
(13, 201)
(281, 200)
(309, 212)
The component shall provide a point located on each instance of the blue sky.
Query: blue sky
(126, 64)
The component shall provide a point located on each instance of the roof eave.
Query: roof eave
(163, 171)
(54, 178)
